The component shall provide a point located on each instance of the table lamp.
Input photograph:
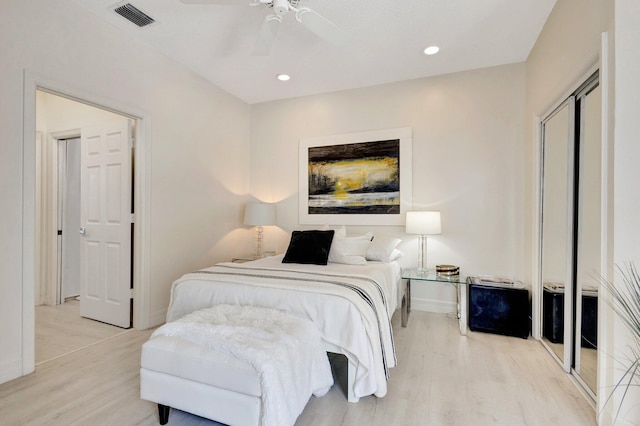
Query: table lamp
(259, 215)
(423, 223)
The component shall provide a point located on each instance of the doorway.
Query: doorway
(31, 224)
(67, 127)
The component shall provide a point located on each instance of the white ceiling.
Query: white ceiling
(386, 40)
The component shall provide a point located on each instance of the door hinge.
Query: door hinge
(132, 142)
(59, 231)
(131, 295)
(133, 218)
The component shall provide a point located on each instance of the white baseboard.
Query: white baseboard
(10, 370)
(431, 305)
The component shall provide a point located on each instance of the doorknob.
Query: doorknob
(83, 231)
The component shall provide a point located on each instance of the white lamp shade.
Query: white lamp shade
(260, 214)
(423, 223)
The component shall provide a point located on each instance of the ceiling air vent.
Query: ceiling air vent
(133, 14)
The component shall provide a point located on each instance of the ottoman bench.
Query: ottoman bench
(220, 363)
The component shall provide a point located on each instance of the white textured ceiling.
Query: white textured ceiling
(386, 39)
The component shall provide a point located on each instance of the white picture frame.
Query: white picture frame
(404, 137)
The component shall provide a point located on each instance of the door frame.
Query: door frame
(141, 202)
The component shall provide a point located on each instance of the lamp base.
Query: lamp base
(259, 254)
(422, 254)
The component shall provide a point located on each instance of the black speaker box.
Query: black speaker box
(553, 317)
(499, 310)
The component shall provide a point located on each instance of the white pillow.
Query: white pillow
(383, 249)
(350, 250)
(395, 255)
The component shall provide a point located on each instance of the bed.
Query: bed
(351, 305)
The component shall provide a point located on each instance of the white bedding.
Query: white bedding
(321, 293)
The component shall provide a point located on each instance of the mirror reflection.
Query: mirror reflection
(555, 227)
(589, 239)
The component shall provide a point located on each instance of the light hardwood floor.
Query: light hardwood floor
(60, 329)
(442, 379)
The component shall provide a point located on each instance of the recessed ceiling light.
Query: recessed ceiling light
(283, 77)
(431, 50)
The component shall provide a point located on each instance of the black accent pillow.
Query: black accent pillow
(309, 247)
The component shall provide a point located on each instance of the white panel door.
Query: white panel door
(105, 217)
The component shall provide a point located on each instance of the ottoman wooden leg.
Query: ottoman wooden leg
(163, 413)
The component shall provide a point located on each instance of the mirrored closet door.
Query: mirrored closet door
(570, 238)
(588, 236)
(557, 197)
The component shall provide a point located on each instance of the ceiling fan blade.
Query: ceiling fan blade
(321, 26)
(267, 35)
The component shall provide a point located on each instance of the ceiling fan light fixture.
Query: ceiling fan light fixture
(306, 16)
(431, 50)
(280, 7)
(283, 77)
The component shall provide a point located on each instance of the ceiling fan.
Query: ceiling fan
(308, 17)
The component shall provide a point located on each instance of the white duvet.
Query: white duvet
(361, 327)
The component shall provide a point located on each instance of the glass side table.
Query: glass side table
(459, 281)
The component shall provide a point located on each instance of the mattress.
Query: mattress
(351, 305)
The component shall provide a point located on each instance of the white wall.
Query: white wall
(467, 162)
(58, 114)
(626, 202)
(197, 134)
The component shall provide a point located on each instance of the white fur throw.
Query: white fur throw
(285, 350)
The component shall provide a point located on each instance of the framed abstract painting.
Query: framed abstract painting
(356, 179)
